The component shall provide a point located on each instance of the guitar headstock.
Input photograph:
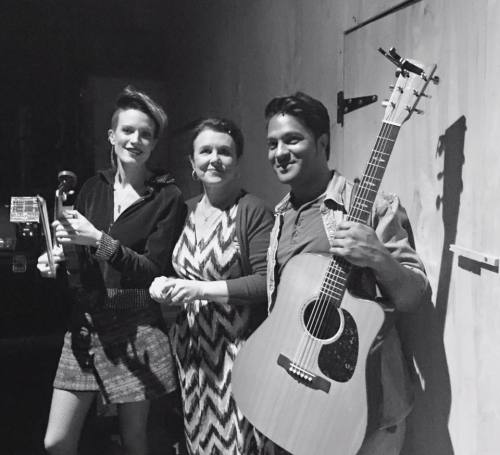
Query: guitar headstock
(409, 88)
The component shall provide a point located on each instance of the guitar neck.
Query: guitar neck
(335, 281)
(367, 190)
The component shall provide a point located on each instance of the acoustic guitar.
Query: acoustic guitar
(300, 378)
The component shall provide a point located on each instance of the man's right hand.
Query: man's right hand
(43, 262)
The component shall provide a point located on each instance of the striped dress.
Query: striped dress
(206, 338)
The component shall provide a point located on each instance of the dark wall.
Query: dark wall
(50, 49)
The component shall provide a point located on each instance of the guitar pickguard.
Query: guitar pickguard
(338, 360)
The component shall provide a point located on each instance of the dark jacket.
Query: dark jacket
(136, 247)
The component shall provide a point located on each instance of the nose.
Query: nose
(214, 156)
(281, 150)
(134, 137)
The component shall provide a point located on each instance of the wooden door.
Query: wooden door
(444, 167)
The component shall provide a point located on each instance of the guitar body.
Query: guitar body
(308, 393)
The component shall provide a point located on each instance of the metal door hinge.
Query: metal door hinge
(344, 106)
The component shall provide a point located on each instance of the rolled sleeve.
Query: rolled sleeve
(393, 228)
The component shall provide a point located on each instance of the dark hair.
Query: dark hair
(131, 98)
(311, 112)
(220, 125)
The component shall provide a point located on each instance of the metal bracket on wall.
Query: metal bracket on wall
(476, 256)
(344, 106)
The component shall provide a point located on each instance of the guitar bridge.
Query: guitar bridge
(302, 375)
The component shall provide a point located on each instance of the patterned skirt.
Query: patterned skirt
(123, 354)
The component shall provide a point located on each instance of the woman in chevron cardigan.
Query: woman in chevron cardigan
(221, 261)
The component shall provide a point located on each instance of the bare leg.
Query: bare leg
(133, 427)
(67, 415)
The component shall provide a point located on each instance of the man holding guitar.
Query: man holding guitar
(384, 263)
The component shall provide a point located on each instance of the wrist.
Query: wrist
(98, 237)
(202, 290)
(106, 247)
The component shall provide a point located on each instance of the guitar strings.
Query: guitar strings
(356, 213)
(337, 269)
(339, 272)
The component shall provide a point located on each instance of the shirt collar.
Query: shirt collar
(335, 191)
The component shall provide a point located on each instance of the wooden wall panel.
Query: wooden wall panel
(453, 161)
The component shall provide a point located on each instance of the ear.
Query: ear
(191, 161)
(111, 137)
(322, 144)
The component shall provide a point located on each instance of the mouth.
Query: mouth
(214, 171)
(283, 167)
(134, 151)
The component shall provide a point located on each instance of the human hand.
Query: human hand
(43, 262)
(160, 289)
(74, 228)
(358, 244)
(176, 291)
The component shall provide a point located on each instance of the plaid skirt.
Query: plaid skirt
(123, 353)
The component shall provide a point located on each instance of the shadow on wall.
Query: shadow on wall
(180, 145)
(427, 431)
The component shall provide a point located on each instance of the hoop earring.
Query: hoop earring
(194, 175)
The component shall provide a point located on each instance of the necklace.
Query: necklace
(208, 214)
(123, 196)
(207, 211)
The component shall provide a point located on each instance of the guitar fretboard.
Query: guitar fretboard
(334, 284)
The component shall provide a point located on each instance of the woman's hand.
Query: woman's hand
(159, 289)
(358, 244)
(74, 228)
(175, 291)
(43, 262)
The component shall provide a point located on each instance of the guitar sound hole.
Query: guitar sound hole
(322, 321)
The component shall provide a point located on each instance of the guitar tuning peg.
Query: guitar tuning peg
(385, 103)
(391, 87)
(421, 94)
(417, 111)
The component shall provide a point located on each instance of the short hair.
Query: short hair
(220, 125)
(311, 112)
(131, 98)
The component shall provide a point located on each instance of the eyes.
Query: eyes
(144, 133)
(288, 139)
(221, 150)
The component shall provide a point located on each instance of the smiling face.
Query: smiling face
(133, 137)
(294, 153)
(214, 158)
